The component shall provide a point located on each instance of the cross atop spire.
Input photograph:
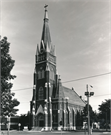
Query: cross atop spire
(45, 7)
(46, 14)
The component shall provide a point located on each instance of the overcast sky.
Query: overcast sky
(80, 30)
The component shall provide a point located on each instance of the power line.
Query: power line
(102, 95)
(93, 96)
(22, 89)
(97, 95)
(87, 77)
(71, 80)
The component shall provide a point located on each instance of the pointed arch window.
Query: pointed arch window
(41, 93)
(68, 115)
(52, 74)
(43, 74)
(39, 75)
(73, 117)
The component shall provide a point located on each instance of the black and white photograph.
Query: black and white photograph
(55, 67)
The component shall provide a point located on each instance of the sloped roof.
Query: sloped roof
(72, 95)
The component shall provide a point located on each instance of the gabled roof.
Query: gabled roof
(72, 95)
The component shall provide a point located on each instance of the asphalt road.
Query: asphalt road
(51, 133)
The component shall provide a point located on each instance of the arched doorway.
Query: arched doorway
(40, 120)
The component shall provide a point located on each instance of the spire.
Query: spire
(54, 51)
(47, 48)
(47, 67)
(37, 51)
(56, 72)
(35, 71)
(46, 32)
(42, 47)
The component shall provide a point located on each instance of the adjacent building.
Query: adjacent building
(52, 104)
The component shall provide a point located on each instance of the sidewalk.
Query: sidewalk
(14, 132)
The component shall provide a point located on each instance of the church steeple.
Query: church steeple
(46, 38)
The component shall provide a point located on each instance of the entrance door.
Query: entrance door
(41, 123)
(41, 120)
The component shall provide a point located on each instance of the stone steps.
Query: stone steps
(37, 128)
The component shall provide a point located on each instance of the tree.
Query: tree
(93, 115)
(26, 120)
(79, 119)
(105, 108)
(104, 112)
(8, 102)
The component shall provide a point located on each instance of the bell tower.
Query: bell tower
(44, 78)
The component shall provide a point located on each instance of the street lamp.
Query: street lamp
(88, 94)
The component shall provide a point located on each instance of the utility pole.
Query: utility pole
(106, 119)
(88, 94)
(88, 111)
(8, 124)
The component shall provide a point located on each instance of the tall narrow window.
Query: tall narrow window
(52, 74)
(73, 116)
(42, 73)
(68, 115)
(39, 75)
(63, 118)
(41, 93)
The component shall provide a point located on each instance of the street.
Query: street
(51, 133)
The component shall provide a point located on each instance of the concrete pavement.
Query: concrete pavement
(51, 133)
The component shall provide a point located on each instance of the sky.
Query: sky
(81, 32)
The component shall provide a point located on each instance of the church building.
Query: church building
(52, 104)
